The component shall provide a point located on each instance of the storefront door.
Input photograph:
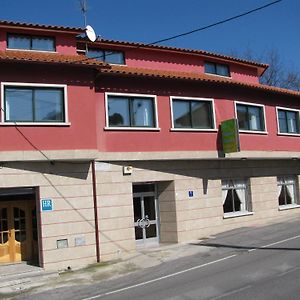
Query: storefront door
(17, 222)
(145, 214)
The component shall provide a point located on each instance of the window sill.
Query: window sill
(194, 129)
(288, 134)
(35, 124)
(217, 75)
(289, 206)
(132, 128)
(114, 64)
(28, 50)
(237, 214)
(253, 132)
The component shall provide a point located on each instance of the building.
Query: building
(119, 147)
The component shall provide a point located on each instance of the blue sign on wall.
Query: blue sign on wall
(191, 194)
(46, 205)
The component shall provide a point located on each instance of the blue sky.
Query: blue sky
(150, 20)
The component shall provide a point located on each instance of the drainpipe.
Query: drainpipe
(95, 211)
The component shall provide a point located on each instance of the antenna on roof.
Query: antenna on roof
(89, 31)
(83, 7)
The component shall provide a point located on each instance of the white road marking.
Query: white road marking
(276, 243)
(287, 272)
(188, 270)
(160, 278)
(232, 292)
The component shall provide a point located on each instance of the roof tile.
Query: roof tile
(124, 70)
(4, 23)
(262, 67)
(54, 58)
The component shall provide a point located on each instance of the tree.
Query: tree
(278, 73)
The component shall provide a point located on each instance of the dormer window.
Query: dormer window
(27, 42)
(216, 69)
(109, 56)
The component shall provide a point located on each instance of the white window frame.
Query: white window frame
(33, 85)
(218, 75)
(33, 50)
(286, 109)
(287, 181)
(154, 97)
(248, 200)
(211, 100)
(112, 64)
(264, 116)
(26, 50)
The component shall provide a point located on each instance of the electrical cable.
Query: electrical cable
(157, 42)
(201, 28)
(34, 146)
(216, 23)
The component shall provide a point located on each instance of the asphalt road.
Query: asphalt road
(249, 263)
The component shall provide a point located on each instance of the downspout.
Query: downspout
(95, 211)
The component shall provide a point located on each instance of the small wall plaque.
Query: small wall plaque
(79, 241)
(46, 204)
(63, 243)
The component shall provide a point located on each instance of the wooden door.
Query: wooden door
(16, 231)
(5, 255)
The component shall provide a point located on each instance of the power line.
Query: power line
(84, 9)
(216, 23)
(204, 27)
(33, 145)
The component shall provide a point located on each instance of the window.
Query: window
(131, 111)
(236, 196)
(109, 56)
(192, 113)
(34, 104)
(287, 191)
(26, 42)
(250, 117)
(288, 121)
(217, 69)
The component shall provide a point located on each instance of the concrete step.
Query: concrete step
(16, 277)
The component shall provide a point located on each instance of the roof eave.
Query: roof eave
(54, 63)
(261, 88)
(205, 54)
(37, 27)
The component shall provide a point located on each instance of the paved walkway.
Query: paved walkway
(24, 279)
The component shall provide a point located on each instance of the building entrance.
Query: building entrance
(18, 228)
(146, 221)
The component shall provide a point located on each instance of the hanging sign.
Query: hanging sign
(230, 136)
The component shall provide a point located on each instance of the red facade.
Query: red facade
(87, 84)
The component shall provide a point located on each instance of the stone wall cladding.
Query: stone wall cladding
(184, 218)
(69, 186)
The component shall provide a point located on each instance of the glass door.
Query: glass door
(145, 217)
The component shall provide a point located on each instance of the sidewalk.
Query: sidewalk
(22, 279)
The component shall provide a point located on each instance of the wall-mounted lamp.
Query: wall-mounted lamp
(127, 170)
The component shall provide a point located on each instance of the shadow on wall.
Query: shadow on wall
(79, 170)
(62, 169)
(219, 169)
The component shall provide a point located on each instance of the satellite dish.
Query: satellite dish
(90, 33)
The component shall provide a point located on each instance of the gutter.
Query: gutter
(94, 183)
